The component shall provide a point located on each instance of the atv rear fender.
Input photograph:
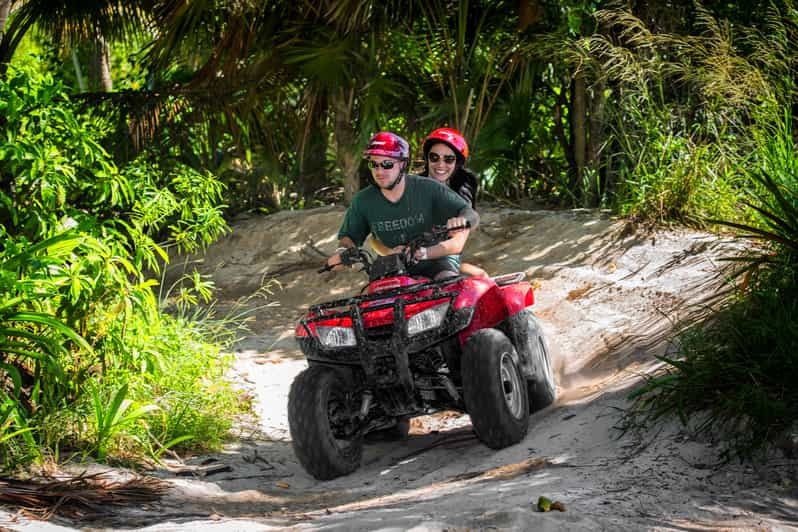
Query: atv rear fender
(517, 297)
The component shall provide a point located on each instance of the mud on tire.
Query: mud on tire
(317, 394)
(494, 389)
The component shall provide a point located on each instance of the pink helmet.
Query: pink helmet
(388, 144)
(453, 138)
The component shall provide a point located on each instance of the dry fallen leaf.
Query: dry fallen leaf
(576, 293)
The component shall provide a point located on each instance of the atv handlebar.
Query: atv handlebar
(438, 234)
(356, 257)
(350, 257)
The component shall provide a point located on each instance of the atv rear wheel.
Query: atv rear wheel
(494, 389)
(318, 413)
(541, 388)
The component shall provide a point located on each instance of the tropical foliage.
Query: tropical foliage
(736, 373)
(132, 128)
(77, 311)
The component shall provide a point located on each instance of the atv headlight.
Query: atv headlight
(429, 319)
(336, 336)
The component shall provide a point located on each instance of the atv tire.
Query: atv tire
(541, 388)
(317, 394)
(494, 389)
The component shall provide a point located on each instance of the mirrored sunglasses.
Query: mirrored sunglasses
(387, 165)
(435, 157)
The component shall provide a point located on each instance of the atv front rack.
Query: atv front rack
(385, 358)
(384, 294)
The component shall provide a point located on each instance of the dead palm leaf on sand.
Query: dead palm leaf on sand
(84, 496)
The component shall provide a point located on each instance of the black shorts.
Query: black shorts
(431, 268)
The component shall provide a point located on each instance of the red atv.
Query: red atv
(409, 347)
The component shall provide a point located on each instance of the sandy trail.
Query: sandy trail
(609, 297)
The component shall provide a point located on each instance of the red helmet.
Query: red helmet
(453, 138)
(388, 144)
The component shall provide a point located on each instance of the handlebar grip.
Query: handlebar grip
(457, 228)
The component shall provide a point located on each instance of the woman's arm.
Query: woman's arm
(378, 247)
(455, 244)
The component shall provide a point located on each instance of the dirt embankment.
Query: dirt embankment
(609, 297)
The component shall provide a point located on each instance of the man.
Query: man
(400, 206)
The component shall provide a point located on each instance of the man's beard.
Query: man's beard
(398, 179)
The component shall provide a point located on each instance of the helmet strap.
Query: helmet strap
(398, 179)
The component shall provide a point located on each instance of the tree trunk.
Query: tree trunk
(6, 48)
(101, 67)
(579, 136)
(345, 143)
(5, 8)
(6, 180)
(313, 150)
(559, 128)
(78, 70)
(529, 12)
(596, 131)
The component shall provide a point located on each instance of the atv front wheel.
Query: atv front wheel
(494, 389)
(318, 416)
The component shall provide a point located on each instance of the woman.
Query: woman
(445, 154)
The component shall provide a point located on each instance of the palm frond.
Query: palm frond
(76, 20)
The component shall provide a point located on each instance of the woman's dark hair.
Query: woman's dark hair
(463, 181)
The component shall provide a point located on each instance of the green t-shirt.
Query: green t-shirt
(424, 203)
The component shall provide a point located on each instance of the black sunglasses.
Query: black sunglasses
(386, 165)
(435, 157)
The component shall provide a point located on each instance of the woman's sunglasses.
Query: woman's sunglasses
(435, 157)
(386, 165)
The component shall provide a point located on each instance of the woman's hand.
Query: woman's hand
(398, 250)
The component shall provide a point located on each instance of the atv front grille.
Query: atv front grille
(382, 332)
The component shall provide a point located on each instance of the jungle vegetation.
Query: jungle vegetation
(132, 128)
